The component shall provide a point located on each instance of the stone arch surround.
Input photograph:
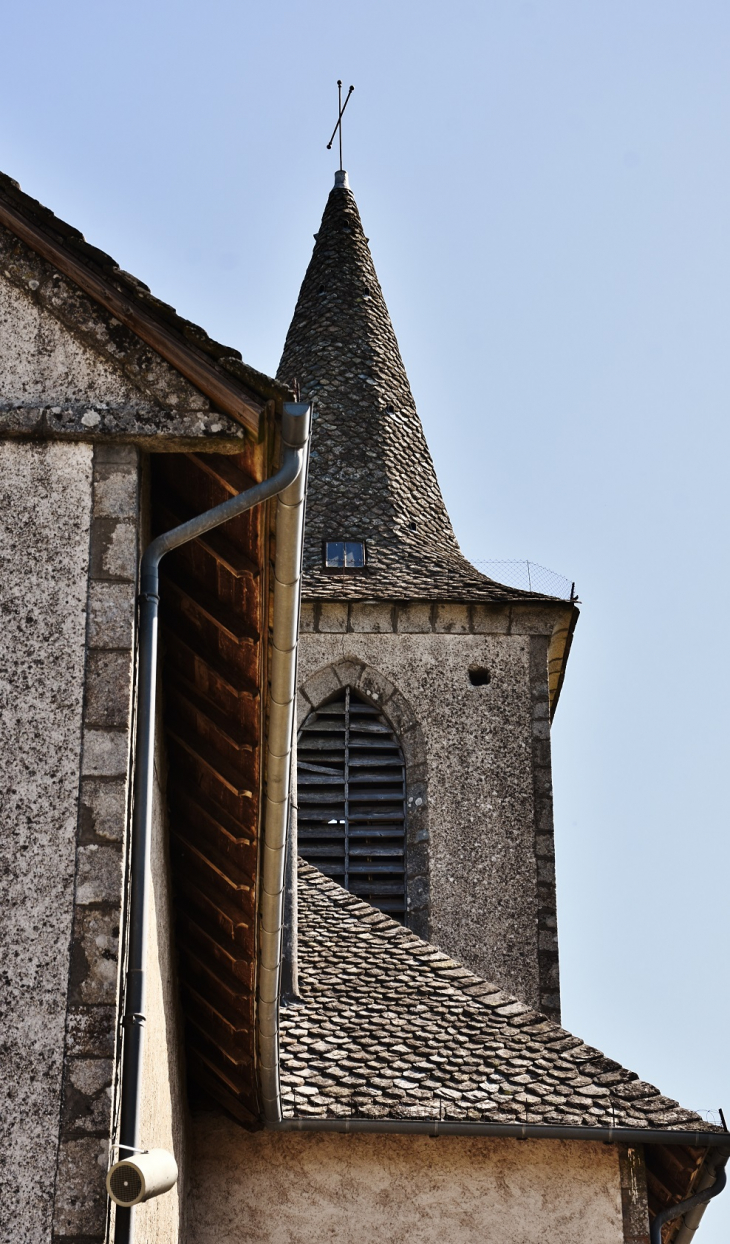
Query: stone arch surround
(370, 683)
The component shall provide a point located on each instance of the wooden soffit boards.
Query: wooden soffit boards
(214, 633)
(672, 1175)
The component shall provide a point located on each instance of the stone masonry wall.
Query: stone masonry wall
(69, 541)
(80, 1210)
(484, 777)
(45, 511)
(68, 368)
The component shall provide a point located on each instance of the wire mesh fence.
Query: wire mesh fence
(714, 1116)
(529, 576)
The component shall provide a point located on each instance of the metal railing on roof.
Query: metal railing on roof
(528, 576)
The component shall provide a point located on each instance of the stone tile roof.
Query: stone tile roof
(389, 1027)
(371, 473)
(225, 360)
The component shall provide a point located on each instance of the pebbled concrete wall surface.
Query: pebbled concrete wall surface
(315, 1189)
(69, 534)
(44, 364)
(45, 511)
(485, 777)
(69, 369)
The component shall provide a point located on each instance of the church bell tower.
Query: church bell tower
(426, 689)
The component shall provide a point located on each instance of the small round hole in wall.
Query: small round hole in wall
(479, 676)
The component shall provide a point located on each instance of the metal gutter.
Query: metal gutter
(294, 437)
(519, 1131)
(693, 1208)
(280, 744)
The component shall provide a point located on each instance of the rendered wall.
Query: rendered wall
(163, 1116)
(42, 363)
(313, 1189)
(483, 777)
(45, 512)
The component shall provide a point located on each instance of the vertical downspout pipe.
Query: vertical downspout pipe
(692, 1204)
(294, 439)
(280, 744)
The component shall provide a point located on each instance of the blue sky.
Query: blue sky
(546, 190)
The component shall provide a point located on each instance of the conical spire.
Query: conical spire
(371, 474)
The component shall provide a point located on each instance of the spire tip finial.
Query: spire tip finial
(341, 180)
(341, 109)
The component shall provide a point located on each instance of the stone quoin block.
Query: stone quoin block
(105, 752)
(108, 689)
(103, 810)
(331, 617)
(414, 617)
(452, 619)
(94, 951)
(490, 619)
(307, 618)
(111, 614)
(115, 489)
(88, 1095)
(90, 1031)
(80, 1204)
(113, 549)
(99, 874)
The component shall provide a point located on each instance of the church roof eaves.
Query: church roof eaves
(390, 1028)
(416, 583)
(217, 370)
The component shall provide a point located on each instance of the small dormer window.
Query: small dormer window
(344, 554)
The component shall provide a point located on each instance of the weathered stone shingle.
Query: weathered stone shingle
(371, 474)
(389, 1027)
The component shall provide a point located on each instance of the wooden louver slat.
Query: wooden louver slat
(351, 784)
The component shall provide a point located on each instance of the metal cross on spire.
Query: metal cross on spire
(342, 108)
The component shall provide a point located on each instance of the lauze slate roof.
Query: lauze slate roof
(389, 1027)
(181, 342)
(371, 474)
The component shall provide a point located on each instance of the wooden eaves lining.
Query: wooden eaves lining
(214, 636)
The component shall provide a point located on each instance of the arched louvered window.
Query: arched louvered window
(351, 795)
